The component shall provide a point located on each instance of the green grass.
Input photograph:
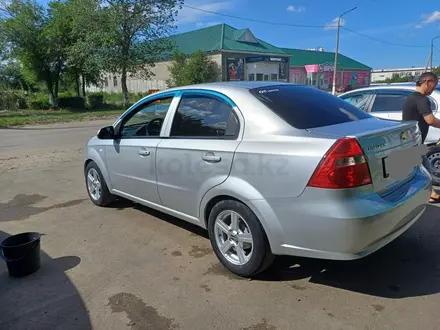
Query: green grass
(38, 117)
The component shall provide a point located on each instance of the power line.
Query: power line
(254, 20)
(382, 41)
(300, 25)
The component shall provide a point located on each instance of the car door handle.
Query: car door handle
(143, 152)
(211, 158)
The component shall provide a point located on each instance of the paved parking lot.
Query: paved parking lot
(128, 267)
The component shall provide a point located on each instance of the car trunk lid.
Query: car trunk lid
(382, 142)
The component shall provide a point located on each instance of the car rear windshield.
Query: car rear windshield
(306, 107)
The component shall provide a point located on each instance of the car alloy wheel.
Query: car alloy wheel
(233, 237)
(238, 238)
(94, 184)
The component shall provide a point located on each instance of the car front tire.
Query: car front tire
(238, 239)
(96, 186)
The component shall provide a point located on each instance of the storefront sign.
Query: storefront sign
(266, 59)
(325, 68)
(235, 67)
(319, 68)
(311, 68)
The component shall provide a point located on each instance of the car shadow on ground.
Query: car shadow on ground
(46, 299)
(122, 204)
(407, 267)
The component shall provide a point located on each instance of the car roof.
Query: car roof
(226, 84)
(394, 86)
(373, 87)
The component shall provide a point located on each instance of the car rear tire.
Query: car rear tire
(238, 239)
(96, 186)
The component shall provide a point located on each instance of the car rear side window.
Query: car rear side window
(392, 101)
(389, 102)
(306, 107)
(204, 116)
(359, 100)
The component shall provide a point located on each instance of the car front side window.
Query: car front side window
(204, 116)
(146, 120)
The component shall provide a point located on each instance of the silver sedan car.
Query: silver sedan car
(267, 168)
(386, 101)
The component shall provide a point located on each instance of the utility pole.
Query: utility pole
(337, 50)
(432, 51)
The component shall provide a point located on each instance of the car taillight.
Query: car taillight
(343, 166)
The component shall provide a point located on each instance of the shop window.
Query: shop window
(251, 77)
(115, 81)
(274, 77)
(259, 76)
(266, 77)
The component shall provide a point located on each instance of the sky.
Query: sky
(403, 22)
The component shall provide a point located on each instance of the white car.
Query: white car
(386, 101)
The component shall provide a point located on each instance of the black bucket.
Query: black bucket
(21, 253)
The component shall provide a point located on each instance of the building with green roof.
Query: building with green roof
(315, 67)
(240, 55)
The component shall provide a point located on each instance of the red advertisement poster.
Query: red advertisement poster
(346, 78)
(338, 78)
(296, 76)
(362, 78)
(235, 68)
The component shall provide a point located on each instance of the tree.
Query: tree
(137, 31)
(177, 70)
(11, 75)
(436, 71)
(37, 40)
(86, 27)
(196, 69)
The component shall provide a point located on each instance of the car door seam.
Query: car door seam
(226, 178)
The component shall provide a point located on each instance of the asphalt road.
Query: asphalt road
(128, 267)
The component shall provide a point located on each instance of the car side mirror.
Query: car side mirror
(106, 133)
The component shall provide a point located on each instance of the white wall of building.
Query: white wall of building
(261, 71)
(112, 82)
(379, 75)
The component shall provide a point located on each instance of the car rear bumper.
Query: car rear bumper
(344, 225)
(350, 253)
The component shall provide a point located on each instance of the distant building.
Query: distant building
(315, 68)
(382, 74)
(240, 55)
(318, 49)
